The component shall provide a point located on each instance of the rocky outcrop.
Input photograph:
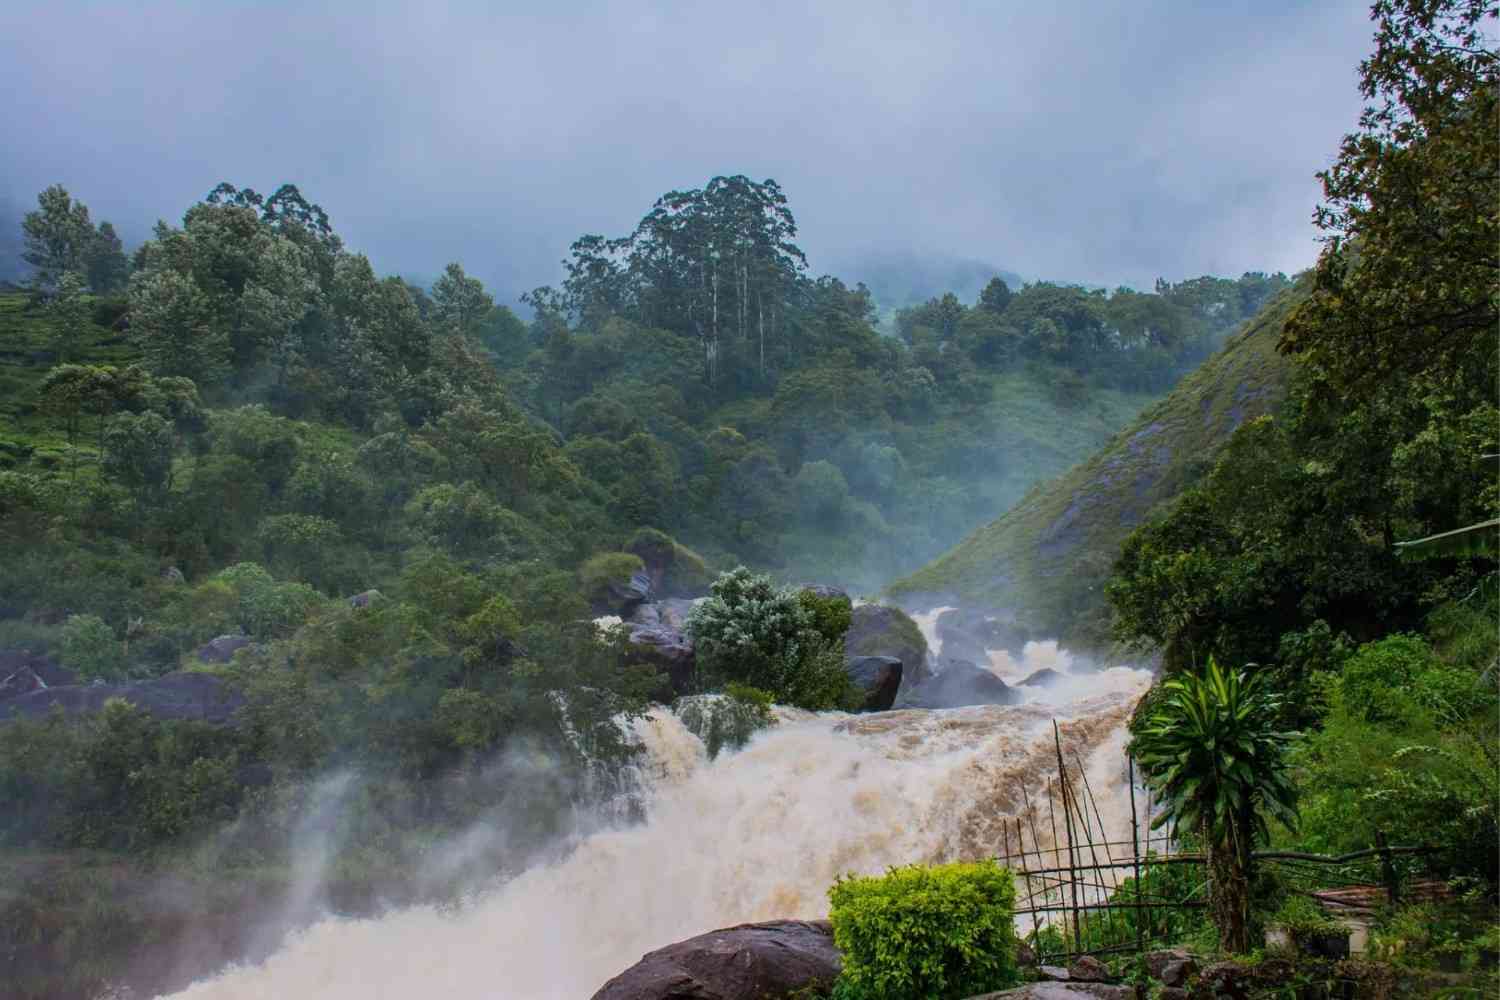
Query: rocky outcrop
(1087, 969)
(185, 695)
(766, 961)
(623, 596)
(958, 683)
(879, 630)
(879, 677)
(22, 672)
(222, 648)
(670, 651)
(1171, 966)
(971, 635)
(365, 599)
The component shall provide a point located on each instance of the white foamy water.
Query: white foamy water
(756, 835)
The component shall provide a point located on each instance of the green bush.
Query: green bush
(653, 546)
(750, 631)
(830, 615)
(821, 683)
(89, 646)
(925, 932)
(1302, 917)
(1375, 676)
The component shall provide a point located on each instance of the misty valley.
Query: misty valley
(704, 624)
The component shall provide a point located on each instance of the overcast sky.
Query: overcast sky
(1100, 142)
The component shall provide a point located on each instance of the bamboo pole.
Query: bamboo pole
(1135, 827)
(1062, 778)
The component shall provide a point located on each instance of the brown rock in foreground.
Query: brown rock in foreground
(750, 962)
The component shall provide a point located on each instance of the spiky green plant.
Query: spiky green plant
(1212, 748)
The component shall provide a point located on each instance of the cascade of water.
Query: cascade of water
(754, 835)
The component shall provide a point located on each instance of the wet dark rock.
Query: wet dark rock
(670, 651)
(1227, 979)
(19, 682)
(1172, 966)
(878, 630)
(766, 961)
(622, 597)
(646, 614)
(185, 695)
(365, 598)
(1043, 678)
(1178, 973)
(972, 635)
(879, 677)
(22, 671)
(958, 683)
(657, 552)
(1087, 969)
(222, 648)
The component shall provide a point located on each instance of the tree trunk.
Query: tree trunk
(1229, 872)
(760, 308)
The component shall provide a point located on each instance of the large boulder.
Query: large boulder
(624, 595)
(185, 695)
(1043, 678)
(673, 569)
(973, 635)
(879, 677)
(365, 599)
(958, 683)
(767, 961)
(879, 630)
(1171, 966)
(670, 651)
(22, 672)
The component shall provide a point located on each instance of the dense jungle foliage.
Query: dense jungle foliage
(1284, 556)
(260, 426)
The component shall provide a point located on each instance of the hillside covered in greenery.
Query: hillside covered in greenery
(1042, 563)
(378, 519)
(1316, 506)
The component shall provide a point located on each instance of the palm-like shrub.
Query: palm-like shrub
(1211, 747)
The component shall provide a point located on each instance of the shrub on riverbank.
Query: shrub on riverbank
(923, 932)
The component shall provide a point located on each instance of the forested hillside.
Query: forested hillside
(212, 443)
(1041, 565)
(1316, 506)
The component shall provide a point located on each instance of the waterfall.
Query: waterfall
(754, 835)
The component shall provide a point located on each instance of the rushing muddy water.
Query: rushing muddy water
(754, 835)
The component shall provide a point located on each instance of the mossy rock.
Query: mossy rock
(614, 582)
(881, 630)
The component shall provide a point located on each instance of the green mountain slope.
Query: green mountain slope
(1042, 565)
